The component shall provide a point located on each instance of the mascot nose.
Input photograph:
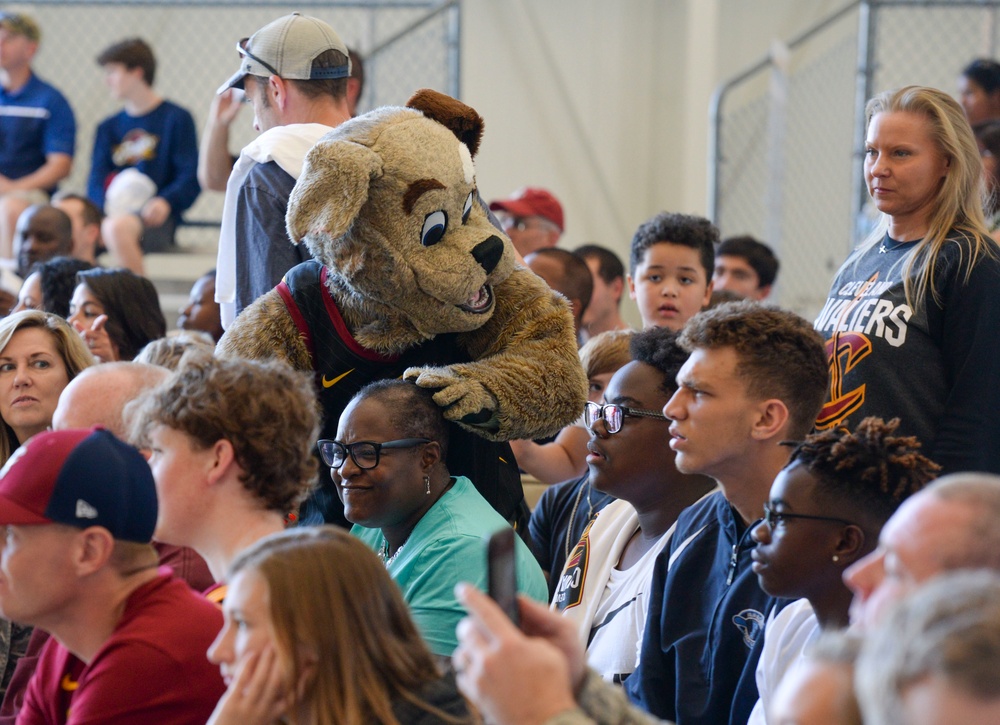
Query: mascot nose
(488, 253)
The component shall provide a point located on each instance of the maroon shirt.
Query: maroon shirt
(152, 669)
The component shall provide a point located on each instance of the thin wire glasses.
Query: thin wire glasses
(613, 414)
(365, 454)
(772, 517)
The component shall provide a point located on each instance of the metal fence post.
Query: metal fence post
(777, 128)
(865, 73)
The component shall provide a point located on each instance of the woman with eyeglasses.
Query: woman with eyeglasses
(603, 586)
(428, 526)
(825, 511)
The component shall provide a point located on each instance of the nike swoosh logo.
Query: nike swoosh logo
(331, 383)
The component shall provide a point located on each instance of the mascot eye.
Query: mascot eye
(435, 225)
(468, 208)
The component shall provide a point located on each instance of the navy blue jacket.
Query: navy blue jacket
(706, 620)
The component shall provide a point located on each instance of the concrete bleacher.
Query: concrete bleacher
(173, 273)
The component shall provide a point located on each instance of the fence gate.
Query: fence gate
(787, 133)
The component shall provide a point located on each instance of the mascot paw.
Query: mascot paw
(463, 400)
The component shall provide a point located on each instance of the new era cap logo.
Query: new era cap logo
(84, 510)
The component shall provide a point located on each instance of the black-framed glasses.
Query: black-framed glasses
(241, 47)
(612, 414)
(365, 454)
(772, 517)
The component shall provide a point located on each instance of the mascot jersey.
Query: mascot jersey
(348, 367)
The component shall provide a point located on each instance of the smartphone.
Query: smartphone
(502, 573)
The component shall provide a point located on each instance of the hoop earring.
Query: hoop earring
(427, 485)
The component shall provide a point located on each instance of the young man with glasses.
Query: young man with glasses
(604, 586)
(825, 512)
(231, 453)
(756, 376)
(294, 72)
(532, 218)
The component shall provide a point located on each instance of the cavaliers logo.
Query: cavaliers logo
(569, 593)
(844, 350)
(137, 145)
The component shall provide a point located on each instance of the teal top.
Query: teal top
(448, 546)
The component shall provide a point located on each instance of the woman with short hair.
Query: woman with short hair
(388, 463)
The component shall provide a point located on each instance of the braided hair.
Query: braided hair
(871, 465)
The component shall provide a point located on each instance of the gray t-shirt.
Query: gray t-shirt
(935, 365)
(263, 250)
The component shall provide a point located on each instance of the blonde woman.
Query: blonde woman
(912, 319)
(341, 648)
(39, 354)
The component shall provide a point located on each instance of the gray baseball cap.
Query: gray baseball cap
(286, 48)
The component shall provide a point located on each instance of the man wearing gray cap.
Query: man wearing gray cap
(294, 71)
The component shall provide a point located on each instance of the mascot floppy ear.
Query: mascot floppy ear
(332, 189)
(461, 120)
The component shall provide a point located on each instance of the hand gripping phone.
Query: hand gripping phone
(502, 573)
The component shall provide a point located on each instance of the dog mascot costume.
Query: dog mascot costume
(411, 279)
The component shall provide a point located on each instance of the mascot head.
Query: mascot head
(388, 202)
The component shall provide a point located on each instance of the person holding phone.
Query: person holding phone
(388, 463)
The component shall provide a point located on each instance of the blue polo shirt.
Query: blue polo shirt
(35, 121)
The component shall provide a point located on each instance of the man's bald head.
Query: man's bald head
(99, 394)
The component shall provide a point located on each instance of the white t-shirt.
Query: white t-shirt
(786, 638)
(620, 619)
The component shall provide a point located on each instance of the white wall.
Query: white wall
(606, 103)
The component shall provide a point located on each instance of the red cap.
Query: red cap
(532, 201)
(80, 478)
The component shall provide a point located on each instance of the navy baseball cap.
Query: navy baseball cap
(80, 478)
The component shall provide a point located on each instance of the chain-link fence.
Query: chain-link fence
(786, 163)
(407, 44)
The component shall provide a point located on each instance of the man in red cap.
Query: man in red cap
(532, 218)
(78, 509)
